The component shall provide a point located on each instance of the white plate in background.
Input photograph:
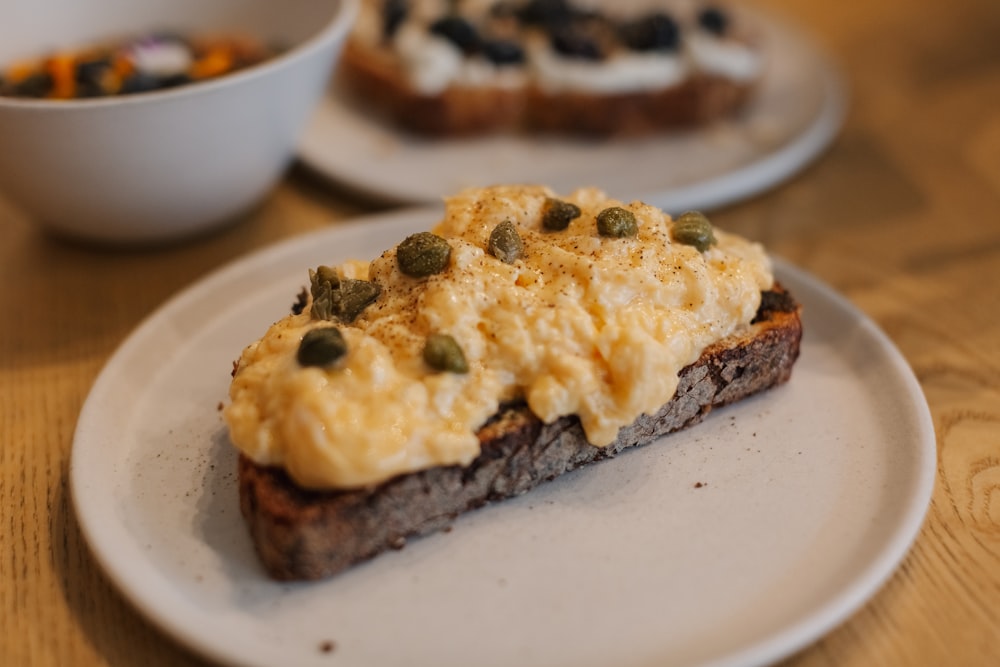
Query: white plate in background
(734, 543)
(797, 112)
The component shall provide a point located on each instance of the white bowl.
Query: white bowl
(162, 165)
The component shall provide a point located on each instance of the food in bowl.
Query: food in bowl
(168, 164)
(153, 61)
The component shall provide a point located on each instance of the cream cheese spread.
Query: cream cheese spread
(581, 324)
(727, 58)
(432, 64)
(623, 72)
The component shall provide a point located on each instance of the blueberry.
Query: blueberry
(503, 52)
(574, 44)
(458, 31)
(655, 32)
(714, 20)
(34, 85)
(89, 89)
(504, 10)
(546, 12)
(393, 14)
(140, 82)
(91, 71)
(175, 80)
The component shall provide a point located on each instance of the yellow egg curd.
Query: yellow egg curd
(581, 323)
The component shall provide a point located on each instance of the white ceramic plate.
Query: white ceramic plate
(798, 111)
(809, 497)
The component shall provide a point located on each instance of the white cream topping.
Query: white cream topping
(161, 58)
(582, 324)
(432, 63)
(623, 72)
(723, 57)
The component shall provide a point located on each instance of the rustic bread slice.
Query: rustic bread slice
(562, 99)
(377, 84)
(302, 534)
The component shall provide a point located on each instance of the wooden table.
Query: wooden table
(902, 215)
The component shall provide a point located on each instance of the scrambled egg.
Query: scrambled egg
(581, 324)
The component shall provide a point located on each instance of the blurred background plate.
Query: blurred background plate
(796, 114)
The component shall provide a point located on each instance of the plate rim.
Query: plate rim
(820, 620)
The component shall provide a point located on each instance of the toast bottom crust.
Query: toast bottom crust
(305, 534)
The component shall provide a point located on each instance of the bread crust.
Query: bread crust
(378, 84)
(306, 534)
(699, 100)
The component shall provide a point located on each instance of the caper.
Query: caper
(336, 298)
(423, 254)
(693, 229)
(355, 295)
(324, 274)
(442, 353)
(617, 222)
(321, 347)
(557, 214)
(505, 243)
(322, 283)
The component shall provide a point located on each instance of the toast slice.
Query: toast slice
(303, 534)
(581, 71)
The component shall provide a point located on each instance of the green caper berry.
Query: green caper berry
(355, 295)
(442, 353)
(617, 222)
(557, 214)
(693, 229)
(321, 347)
(423, 254)
(324, 281)
(505, 243)
(324, 274)
(336, 298)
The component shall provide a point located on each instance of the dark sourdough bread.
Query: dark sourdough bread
(304, 534)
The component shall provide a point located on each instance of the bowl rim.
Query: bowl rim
(335, 28)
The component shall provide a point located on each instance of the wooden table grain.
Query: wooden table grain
(902, 215)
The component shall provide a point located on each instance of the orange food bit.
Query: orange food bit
(110, 82)
(122, 66)
(111, 69)
(215, 62)
(62, 68)
(19, 71)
